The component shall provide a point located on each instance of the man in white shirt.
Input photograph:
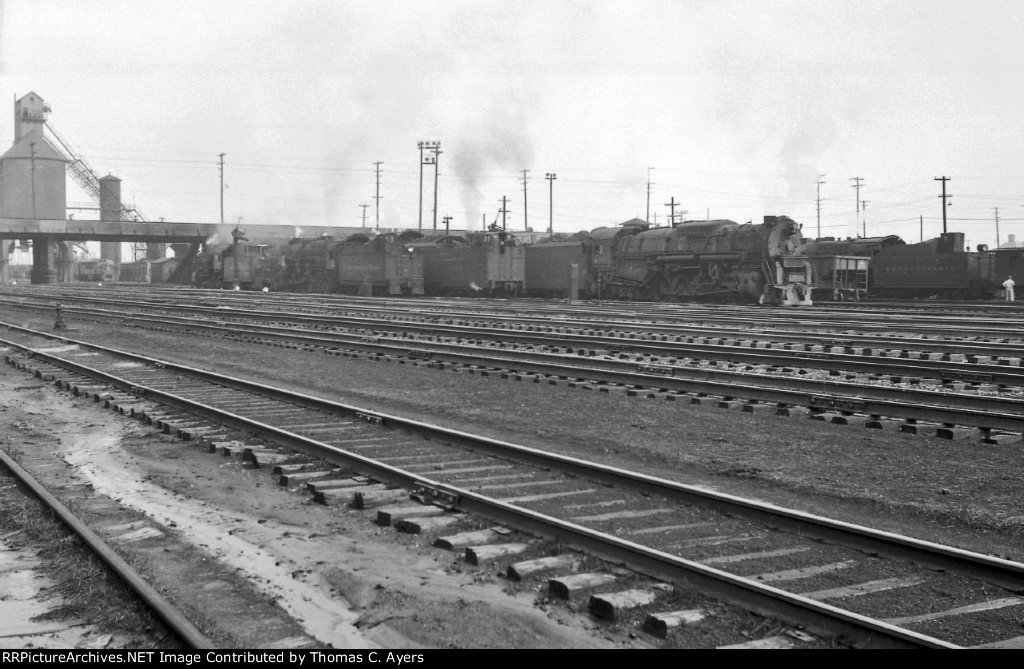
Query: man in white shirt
(1008, 285)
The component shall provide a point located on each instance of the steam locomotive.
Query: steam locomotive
(384, 264)
(694, 260)
(716, 260)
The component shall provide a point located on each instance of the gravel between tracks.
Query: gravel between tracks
(956, 492)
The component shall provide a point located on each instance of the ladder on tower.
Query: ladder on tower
(86, 178)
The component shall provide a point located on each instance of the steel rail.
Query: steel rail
(948, 408)
(167, 612)
(821, 617)
(648, 328)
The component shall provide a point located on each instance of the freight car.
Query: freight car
(712, 260)
(476, 264)
(148, 271)
(1009, 262)
(96, 270)
(843, 266)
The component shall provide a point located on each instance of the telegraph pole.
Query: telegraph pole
(821, 181)
(672, 211)
(856, 184)
(437, 152)
(863, 208)
(222, 187)
(526, 225)
(647, 219)
(551, 176)
(997, 226)
(377, 196)
(364, 206)
(504, 210)
(944, 198)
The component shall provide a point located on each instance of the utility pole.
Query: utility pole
(997, 226)
(921, 227)
(503, 211)
(377, 196)
(364, 206)
(821, 181)
(222, 187)
(446, 220)
(526, 225)
(647, 218)
(856, 184)
(672, 211)
(437, 152)
(423, 145)
(551, 176)
(944, 198)
(863, 208)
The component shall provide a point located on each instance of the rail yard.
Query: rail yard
(605, 474)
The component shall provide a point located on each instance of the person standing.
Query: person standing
(1008, 285)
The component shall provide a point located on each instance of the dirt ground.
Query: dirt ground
(345, 581)
(349, 583)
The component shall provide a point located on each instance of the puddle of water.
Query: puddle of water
(100, 460)
(56, 349)
(20, 585)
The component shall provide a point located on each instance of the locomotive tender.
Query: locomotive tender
(481, 264)
(939, 267)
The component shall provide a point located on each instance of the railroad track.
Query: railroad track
(638, 315)
(947, 411)
(893, 590)
(593, 321)
(175, 620)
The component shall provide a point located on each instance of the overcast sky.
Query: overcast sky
(738, 106)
